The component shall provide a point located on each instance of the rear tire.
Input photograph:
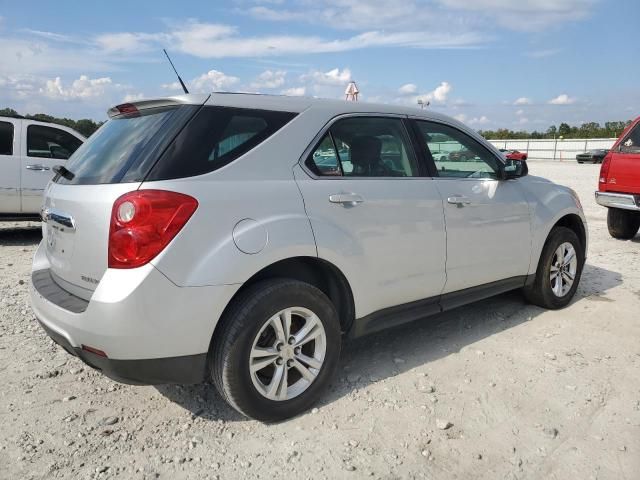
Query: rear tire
(256, 323)
(543, 291)
(623, 224)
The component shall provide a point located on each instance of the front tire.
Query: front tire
(559, 270)
(623, 224)
(276, 350)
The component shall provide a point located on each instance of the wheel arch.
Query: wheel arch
(312, 270)
(575, 223)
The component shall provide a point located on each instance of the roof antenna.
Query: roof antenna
(184, 87)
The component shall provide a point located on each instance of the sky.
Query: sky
(519, 64)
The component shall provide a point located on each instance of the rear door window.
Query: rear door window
(49, 142)
(6, 138)
(215, 137)
(365, 147)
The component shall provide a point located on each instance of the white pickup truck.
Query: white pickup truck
(28, 151)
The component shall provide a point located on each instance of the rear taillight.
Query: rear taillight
(604, 170)
(143, 223)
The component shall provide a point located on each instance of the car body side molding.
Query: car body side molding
(420, 309)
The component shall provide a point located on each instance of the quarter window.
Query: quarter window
(456, 154)
(47, 142)
(215, 137)
(6, 138)
(364, 147)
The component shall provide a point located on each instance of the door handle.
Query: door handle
(37, 167)
(350, 199)
(459, 200)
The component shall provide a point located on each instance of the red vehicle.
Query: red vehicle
(513, 155)
(619, 183)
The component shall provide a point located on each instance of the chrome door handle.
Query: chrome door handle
(37, 167)
(459, 200)
(351, 199)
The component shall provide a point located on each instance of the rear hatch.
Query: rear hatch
(115, 160)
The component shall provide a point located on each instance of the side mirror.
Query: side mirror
(515, 169)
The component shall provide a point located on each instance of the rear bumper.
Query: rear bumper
(151, 330)
(624, 201)
(188, 369)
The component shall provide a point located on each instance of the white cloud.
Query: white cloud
(127, 42)
(23, 57)
(434, 16)
(213, 80)
(408, 89)
(528, 15)
(270, 79)
(48, 35)
(171, 86)
(294, 91)
(523, 120)
(332, 77)
(81, 88)
(520, 112)
(212, 40)
(562, 99)
(482, 120)
(439, 94)
(523, 101)
(133, 97)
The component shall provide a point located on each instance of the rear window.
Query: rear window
(631, 143)
(125, 148)
(215, 137)
(170, 142)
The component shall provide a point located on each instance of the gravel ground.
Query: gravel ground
(498, 389)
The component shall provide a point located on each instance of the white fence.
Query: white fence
(554, 149)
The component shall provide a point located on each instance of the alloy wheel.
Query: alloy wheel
(287, 353)
(564, 266)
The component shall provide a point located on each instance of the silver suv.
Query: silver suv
(238, 238)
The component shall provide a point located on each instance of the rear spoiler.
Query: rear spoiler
(134, 107)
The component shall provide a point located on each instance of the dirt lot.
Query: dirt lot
(529, 393)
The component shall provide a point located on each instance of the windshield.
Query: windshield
(125, 148)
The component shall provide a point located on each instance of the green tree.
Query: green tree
(564, 129)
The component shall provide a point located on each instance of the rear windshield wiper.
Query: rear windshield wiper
(61, 171)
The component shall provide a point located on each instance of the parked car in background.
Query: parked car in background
(461, 155)
(592, 156)
(236, 238)
(619, 184)
(28, 151)
(513, 154)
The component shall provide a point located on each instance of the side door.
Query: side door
(624, 170)
(10, 166)
(374, 212)
(44, 148)
(487, 219)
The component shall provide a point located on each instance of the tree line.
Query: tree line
(564, 130)
(85, 126)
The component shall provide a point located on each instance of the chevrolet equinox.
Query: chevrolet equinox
(237, 238)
